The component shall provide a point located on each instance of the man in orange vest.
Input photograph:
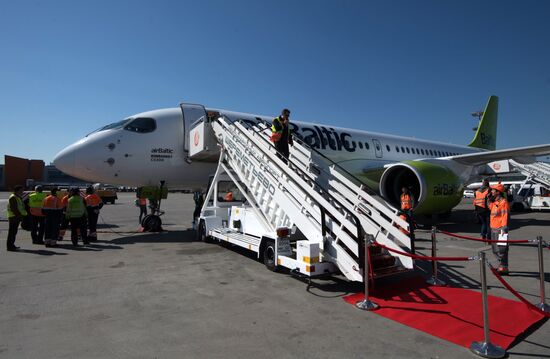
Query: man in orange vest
(93, 205)
(500, 214)
(481, 206)
(407, 205)
(51, 207)
(64, 221)
(228, 196)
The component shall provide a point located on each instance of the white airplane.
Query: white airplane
(153, 146)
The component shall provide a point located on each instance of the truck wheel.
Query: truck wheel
(201, 233)
(268, 255)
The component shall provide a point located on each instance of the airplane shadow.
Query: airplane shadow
(185, 236)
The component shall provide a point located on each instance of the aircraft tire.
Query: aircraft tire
(151, 223)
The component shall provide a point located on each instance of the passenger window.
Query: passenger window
(397, 148)
(407, 150)
(402, 149)
(360, 144)
(141, 125)
(224, 188)
(367, 145)
(422, 151)
(388, 148)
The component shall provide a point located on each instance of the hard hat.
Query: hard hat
(499, 187)
(38, 188)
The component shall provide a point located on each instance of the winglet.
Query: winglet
(486, 134)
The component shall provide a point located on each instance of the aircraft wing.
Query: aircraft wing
(520, 154)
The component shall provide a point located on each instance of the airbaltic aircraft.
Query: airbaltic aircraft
(153, 146)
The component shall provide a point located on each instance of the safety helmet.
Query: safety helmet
(499, 187)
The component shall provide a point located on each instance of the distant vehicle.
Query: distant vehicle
(469, 193)
(107, 192)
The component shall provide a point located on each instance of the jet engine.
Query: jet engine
(436, 188)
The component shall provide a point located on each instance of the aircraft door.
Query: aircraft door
(191, 114)
(377, 148)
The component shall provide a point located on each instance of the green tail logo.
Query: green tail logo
(486, 134)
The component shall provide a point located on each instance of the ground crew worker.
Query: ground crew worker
(51, 207)
(407, 205)
(228, 196)
(93, 205)
(142, 204)
(37, 217)
(76, 215)
(281, 135)
(199, 201)
(500, 213)
(481, 207)
(64, 222)
(16, 213)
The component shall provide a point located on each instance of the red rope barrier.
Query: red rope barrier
(516, 294)
(423, 257)
(484, 240)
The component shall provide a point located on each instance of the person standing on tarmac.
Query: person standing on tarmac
(142, 204)
(281, 135)
(93, 205)
(481, 206)
(16, 213)
(199, 201)
(500, 214)
(76, 215)
(37, 217)
(51, 207)
(64, 221)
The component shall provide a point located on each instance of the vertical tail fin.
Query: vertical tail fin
(486, 134)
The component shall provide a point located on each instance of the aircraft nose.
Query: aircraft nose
(65, 161)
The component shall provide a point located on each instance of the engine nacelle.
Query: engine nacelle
(435, 188)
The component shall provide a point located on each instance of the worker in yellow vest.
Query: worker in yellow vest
(76, 215)
(281, 135)
(93, 205)
(51, 207)
(500, 214)
(481, 207)
(37, 217)
(16, 213)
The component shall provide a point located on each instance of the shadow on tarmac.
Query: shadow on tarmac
(185, 236)
(41, 252)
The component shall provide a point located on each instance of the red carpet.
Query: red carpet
(453, 314)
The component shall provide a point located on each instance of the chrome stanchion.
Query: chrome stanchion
(485, 348)
(542, 305)
(367, 304)
(434, 280)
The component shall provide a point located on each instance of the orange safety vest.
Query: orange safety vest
(479, 200)
(51, 202)
(228, 197)
(92, 200)
(406, 202)
(64, 201)
(500, 210)
(143, 202)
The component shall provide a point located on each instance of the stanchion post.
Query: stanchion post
(367, 304)
(485, 348)
(542, 305)
(434, 280)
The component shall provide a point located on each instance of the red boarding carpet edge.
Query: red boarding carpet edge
(453, 314)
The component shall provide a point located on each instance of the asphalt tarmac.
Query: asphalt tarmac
(166, 295)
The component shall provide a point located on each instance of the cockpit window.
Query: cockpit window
(111, 126)
(141, 125)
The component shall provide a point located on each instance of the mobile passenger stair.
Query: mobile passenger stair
(304, 213)
(537, 172)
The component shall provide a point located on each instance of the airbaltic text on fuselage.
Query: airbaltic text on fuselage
(320, 137)
(159, 154)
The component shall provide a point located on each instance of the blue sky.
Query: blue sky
(413, 68)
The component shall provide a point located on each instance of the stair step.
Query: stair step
(382, 261)
(391, 270)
